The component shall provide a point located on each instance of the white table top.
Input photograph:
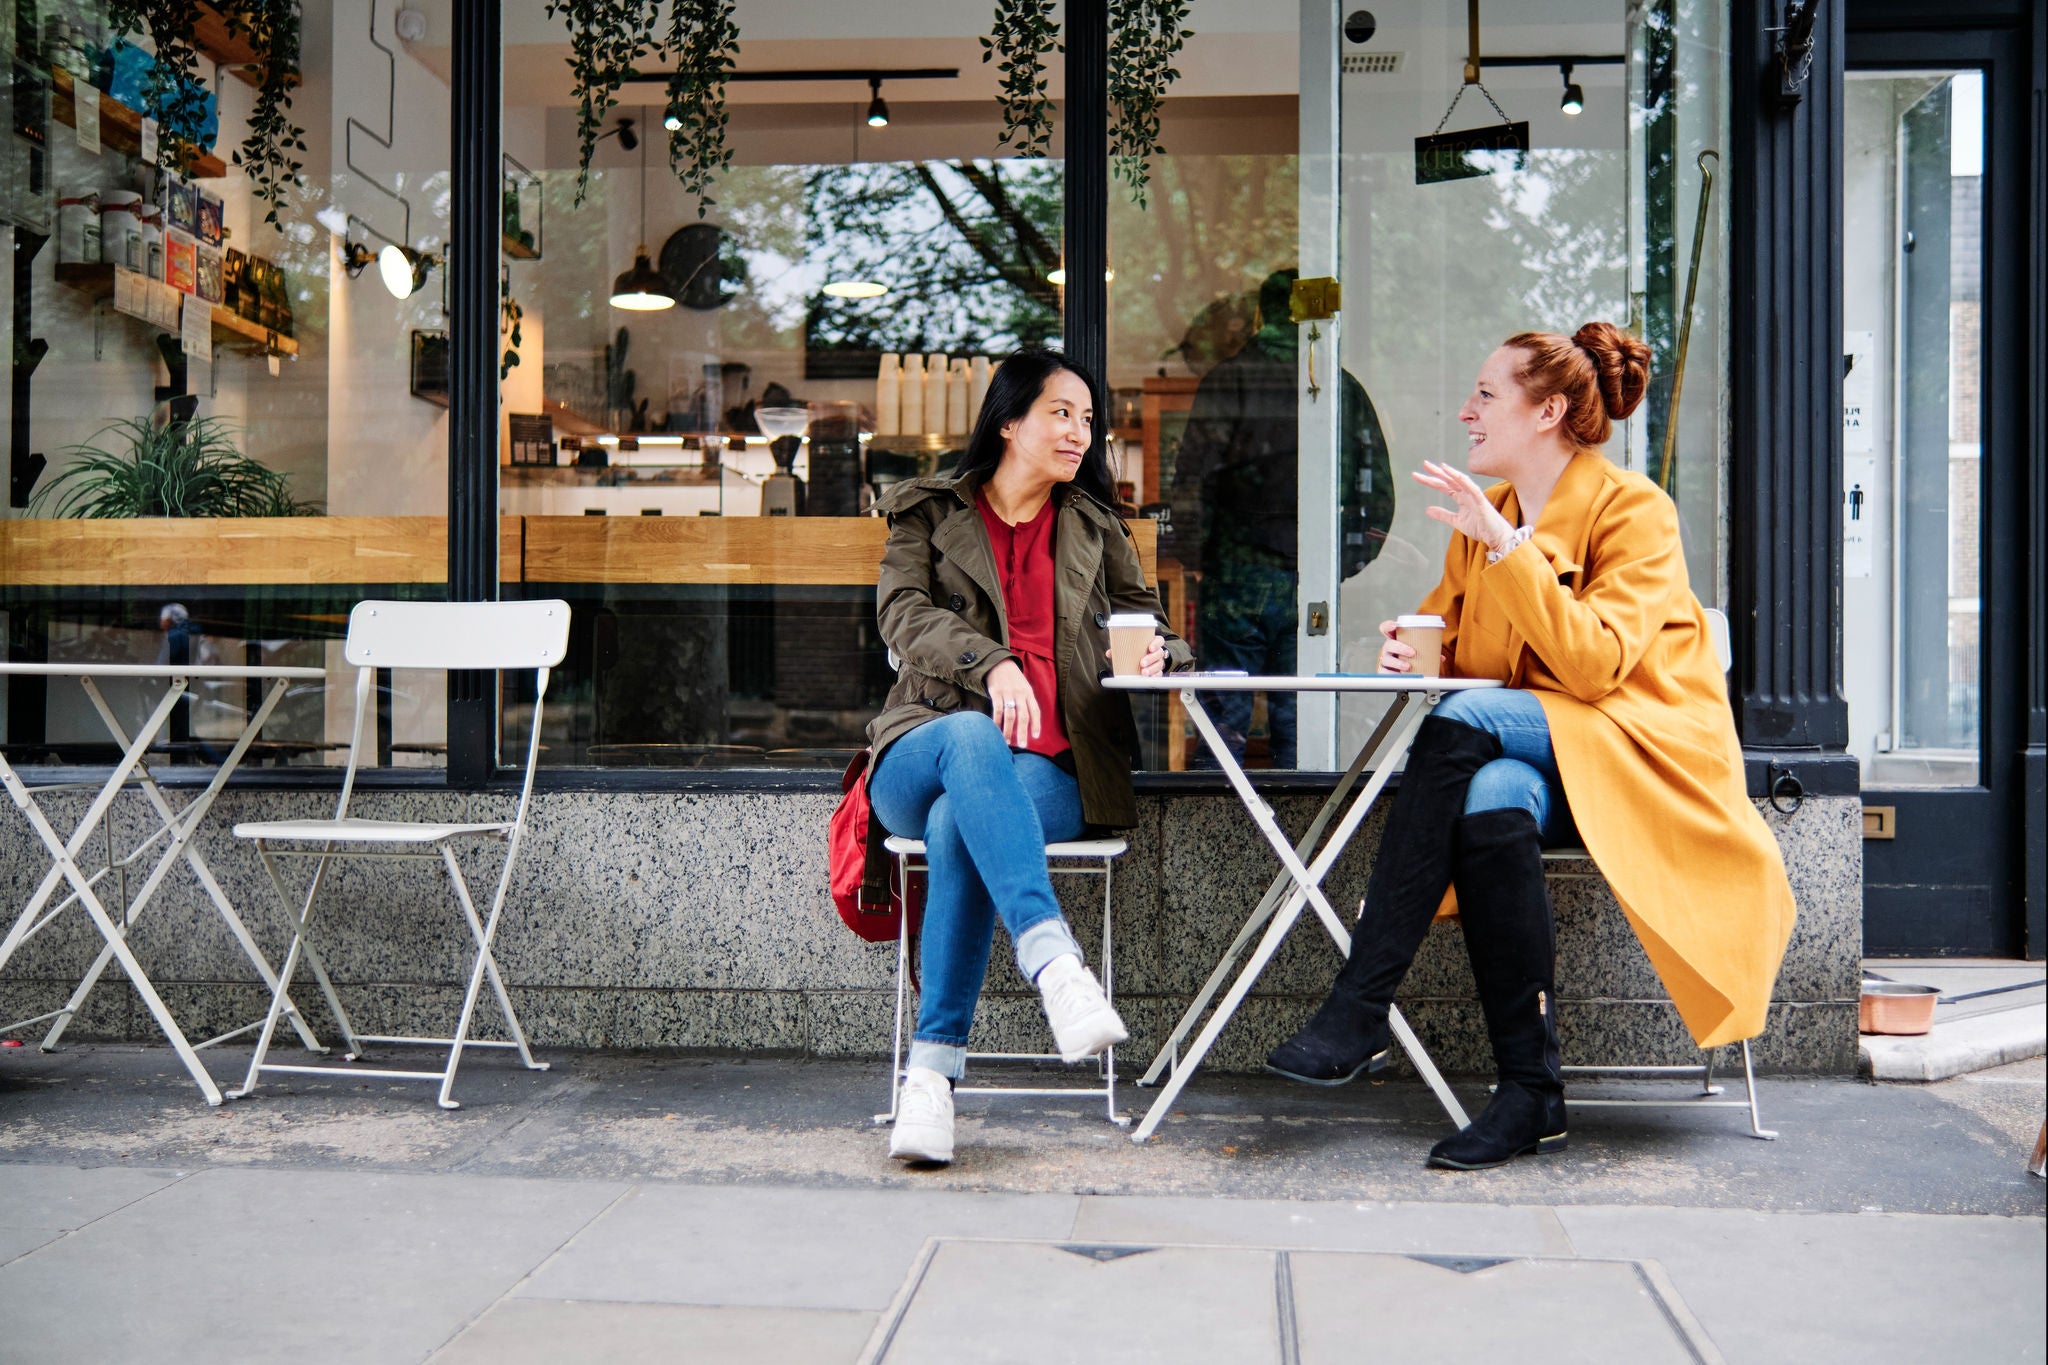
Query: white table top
(207, 672)
(1349, 682)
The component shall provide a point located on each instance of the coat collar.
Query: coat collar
(1562, 527)
(910, 492)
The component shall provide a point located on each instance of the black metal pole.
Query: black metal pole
(1785, 399)
(1086, 258)
(475, 154)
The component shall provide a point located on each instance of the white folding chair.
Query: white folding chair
(1071, 858)
(494, 636)
(1717, 623)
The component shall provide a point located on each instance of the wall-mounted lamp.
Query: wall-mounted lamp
(1574, 101)
(878, 110)
(403, 269)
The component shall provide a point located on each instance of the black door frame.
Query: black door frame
(1920, 890)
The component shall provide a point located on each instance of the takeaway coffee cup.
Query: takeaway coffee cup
(1130, 635)
(1424, 635)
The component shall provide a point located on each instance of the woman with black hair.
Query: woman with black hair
(995, 594)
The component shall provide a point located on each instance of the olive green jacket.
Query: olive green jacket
(940, 603)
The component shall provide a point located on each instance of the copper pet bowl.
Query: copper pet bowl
(1895, 1007)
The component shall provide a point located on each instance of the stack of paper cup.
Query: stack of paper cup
(888, 395)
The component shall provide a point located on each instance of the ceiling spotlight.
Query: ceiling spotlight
(878, 109)
(1574, 100)
(623, 131)
(856, 289)
(1059, 276)
(403, 270)
(672, 121)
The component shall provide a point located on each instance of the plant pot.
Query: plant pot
(1895, 1007)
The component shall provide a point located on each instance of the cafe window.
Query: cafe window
(707, 392)
(228, 416)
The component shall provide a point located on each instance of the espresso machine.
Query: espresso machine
(783, 494)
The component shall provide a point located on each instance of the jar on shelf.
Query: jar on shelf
(121, 229)
(152, 241)
(78, 228)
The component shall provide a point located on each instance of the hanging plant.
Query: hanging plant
(172, 94)
(266, 154)
(510, 316)
(1024, 33)
(607, 38)
(1144, 38)
(704, 43)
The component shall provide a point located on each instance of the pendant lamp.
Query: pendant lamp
(642, 289)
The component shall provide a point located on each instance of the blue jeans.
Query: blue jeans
(985, 814)
(1525, 775)
(1248, 622)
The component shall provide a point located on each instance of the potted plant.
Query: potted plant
(136, 468)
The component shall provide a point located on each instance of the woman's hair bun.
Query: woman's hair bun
(1621, 360)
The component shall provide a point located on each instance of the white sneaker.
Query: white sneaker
(924, 1118)
(1083, 1024)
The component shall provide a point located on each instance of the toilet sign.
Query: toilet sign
(1859, 462)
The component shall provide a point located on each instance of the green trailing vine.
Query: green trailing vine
(704, 43)
(607, 38)
(510, 316)
(1144, 38)
(266, 155)
(174, 96)
(1023, 35)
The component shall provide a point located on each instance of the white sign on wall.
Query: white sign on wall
(1859, 393)
(1859, 514)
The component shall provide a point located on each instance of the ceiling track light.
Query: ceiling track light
(643, 289)
(878, 109)
(1573, 102)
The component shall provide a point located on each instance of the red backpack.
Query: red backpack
(877, 919)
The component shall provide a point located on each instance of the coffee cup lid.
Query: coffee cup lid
(1419, 623)
(1131, 620)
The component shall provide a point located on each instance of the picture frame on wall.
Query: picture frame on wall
(430, 365)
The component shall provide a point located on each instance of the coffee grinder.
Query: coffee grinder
(783, 494)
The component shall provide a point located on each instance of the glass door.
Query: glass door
(1923, 410)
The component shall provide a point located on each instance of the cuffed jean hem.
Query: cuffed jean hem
(948, 1059)
(1039, 944)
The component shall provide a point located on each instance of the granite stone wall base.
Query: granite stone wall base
(702, 922)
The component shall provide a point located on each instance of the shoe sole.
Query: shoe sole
(1088, 1055)
(1541, 1147)
(1376, 1062)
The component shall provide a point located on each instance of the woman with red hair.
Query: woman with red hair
(1565, 580)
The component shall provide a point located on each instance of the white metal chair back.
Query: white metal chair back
(492, 636)
(1717, 626)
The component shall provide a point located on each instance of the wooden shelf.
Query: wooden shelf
(228, 326)
(121, 127)
(212, 35)
(516, 249)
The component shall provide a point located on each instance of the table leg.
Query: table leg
(1306, 890)
(1169, 1051)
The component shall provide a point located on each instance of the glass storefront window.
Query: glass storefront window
(229, 496)
(692, 476)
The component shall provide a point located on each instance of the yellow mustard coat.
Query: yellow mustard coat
(1595, 617)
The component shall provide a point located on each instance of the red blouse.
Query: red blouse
(1024, 565)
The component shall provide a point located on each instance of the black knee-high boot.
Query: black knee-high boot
(1349, 1035)
(1512, 941)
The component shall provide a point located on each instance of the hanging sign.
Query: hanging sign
(1473, 152)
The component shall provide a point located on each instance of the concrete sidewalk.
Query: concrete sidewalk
(626, 1208)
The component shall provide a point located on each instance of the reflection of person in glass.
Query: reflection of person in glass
(1566, 581)
(1235, 493)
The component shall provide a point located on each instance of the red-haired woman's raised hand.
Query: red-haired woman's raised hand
(1472, 515)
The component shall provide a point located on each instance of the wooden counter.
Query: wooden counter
(155, 552)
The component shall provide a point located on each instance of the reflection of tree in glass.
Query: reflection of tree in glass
(1564, 246)
(1215, 227)
(963, 248)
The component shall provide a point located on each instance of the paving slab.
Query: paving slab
(552, 1332)
(312, 1266)
(64, 1197)
(1492, 1229)
(1820, 1288)
(1417, 1310)
(779, 1248)
(997, 1302)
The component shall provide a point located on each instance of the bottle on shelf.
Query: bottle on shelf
(78, 228)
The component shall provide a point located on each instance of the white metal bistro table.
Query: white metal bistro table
(175, 829)
(1299, 884)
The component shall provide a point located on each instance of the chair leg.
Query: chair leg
(902, 979)
(286, 970)
(1109, 993)
(301, 927)
(485, 966)
(1756, 1123)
